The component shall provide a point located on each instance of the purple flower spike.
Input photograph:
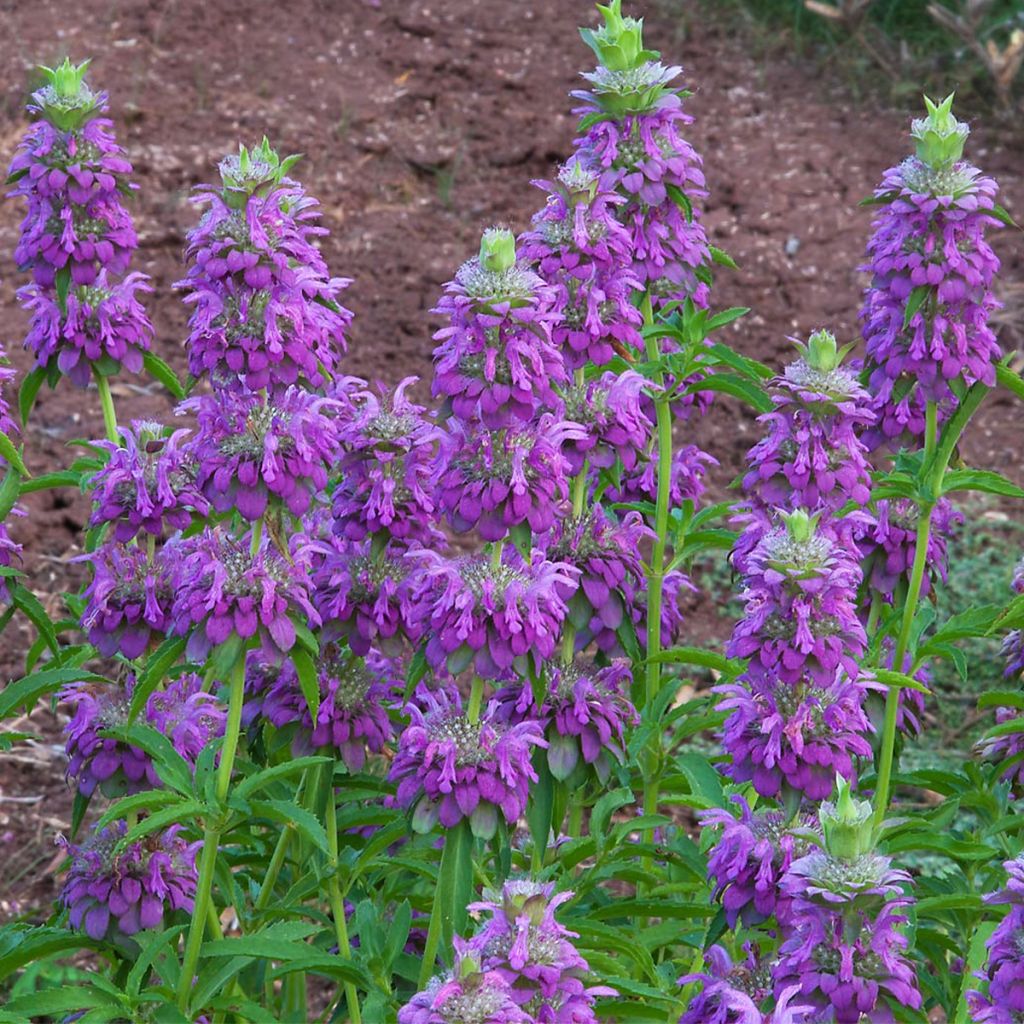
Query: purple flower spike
(523, 943)
(466, 995)
(495, 480)
(750, 857)
(611, 411)
(189, 718)
(248, 449)
(385, 478)
(353, 714)
(496, 362)
(148, 484)
(1004, 971)
(925, 314)
(800, 736)
(584, 714)
(223, 589)
(103, 321)
(845, 949)
(113, 895)
(129, 599)
(448, 768)
(585, 254)
(800, 617)
(491, 617)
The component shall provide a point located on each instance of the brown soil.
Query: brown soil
(423, 123)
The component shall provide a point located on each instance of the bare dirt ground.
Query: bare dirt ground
(422, 124)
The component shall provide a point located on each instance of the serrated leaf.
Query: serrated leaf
(155, 672)
(722, 258)
(914, 302)
(28, 603)
(699, 656)
(900, 680)
(9, 452)
(736, 386)
(287, 813)
(982, 480)
(28, 391)
(24, 692)
(159, 370)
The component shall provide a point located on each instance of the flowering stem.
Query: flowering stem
(107, 405)
(338, 904)
(656, 572)
(211, 837)
(892, 699)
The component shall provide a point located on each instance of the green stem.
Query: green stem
(277, 858)
(656, 572)
(107, 405)
(211, 838)
(924, 526)
(338, 905)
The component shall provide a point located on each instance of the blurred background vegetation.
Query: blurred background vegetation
(898, 48)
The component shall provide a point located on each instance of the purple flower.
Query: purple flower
(1004, 971)
(365, 592)
(491, 616)
(189, 718)
(640, 485)
(800, 594)
(448, 768)
(495, 480)
(468, 994)
(800, 736)
(103, 322)
(733, 993)
(584, 713)
(148, 483)
(925, 314)
(1005, 747)
(225, 589)
(111, 895)
(385, 478)
(844, 948)
(495, 361)
(607, 555)
(585, 254)
(250, 448)
(353, 714)
(128, 601)
(610, 410)
(523, 943)
(266, 309)
(642, 155)
(749, 858)
(812, 455)
(889, 546)
(10, 552)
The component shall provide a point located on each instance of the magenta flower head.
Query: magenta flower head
(250, 449)
(468, 994)
(189, 718)
(845, 948)
(491, 617)
(385, 479)
(495, 361)
(148, 484)
(797, 736)
(733, 993)
(266, 310)
(584, 714)
(634, 139)
(495, 480)
(1004, 972)
(925, 314)
(72, 174)
(800, 594)
(225, 589)
(607, 555)
(812, 455)
(888, 547)
(366, 592)
(524, 943)
(103, 323)
(448, 768)
(610, 410)
(749, 858)
(111, 894)
(352, 718)
(585, 254)
(128, 600)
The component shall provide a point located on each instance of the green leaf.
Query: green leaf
(26, 691)
(155, 672)
(37, 944)
(705, 782)
(28, 603)
(727, 316)
(542, 802)
(606, 806)
(27, 392)
(62, 1000)
(681, 199)
(308, 681)
(147, 801)
(172, 768)
(981, 480)
(1001, 214)
(1002, 699)
(722, 258)
(289, 814)
(276, 773)
(47, 481)
(731, 384)
(699, 656)
(914, 303)
(160, 371)
(10, 491)
(9, 452)
(305, 636)
(900, 680)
